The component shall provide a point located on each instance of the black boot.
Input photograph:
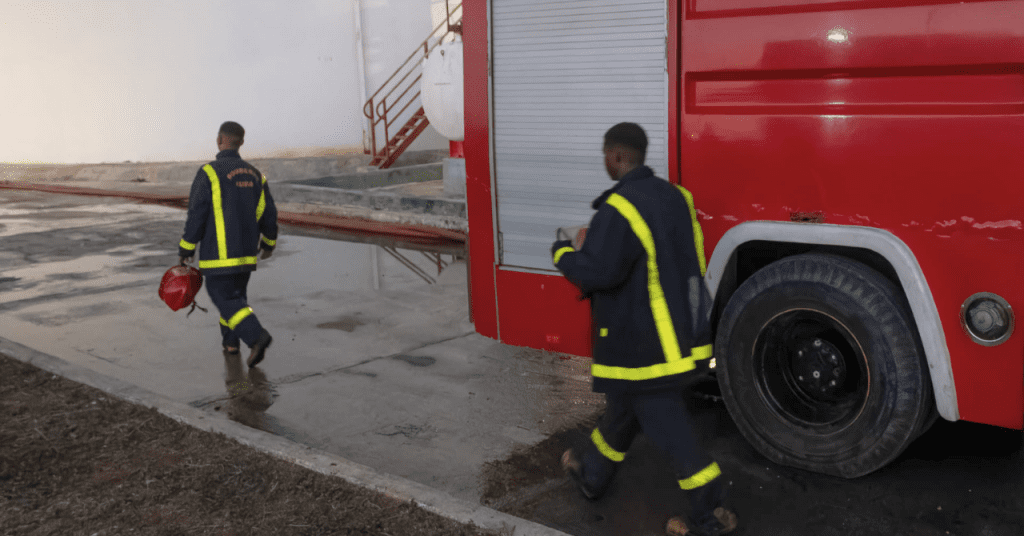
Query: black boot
(591, 488)
(259, 349)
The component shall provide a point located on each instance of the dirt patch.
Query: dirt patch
(73, 460)
(507, 481)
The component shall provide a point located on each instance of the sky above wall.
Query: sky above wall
(151, 80)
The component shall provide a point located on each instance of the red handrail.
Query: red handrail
(378, 109)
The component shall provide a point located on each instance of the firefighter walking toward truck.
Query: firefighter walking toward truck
(228, 209)
(642, 266)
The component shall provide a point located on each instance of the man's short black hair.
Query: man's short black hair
(233, 131)
(630, 136)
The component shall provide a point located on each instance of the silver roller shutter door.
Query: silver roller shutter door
(563, 73)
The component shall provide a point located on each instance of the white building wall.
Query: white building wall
(150, 80)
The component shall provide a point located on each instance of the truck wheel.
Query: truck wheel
(819, 365)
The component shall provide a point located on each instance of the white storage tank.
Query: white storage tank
(441, 90)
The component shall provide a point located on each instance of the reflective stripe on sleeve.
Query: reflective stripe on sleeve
(562, 251)
(269, 242)
(263, 201)
(698, 234)
(702, 478)
(218, 213)
(238, 317)
(606, 450)
(223, 322)
(227, 263)
(604, 332)
(659, 307)
(187, 245)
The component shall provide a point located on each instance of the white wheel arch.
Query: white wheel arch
(884, 243)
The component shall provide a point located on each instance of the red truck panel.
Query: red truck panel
(908, 119)
(479, 200)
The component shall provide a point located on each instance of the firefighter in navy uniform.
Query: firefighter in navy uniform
(229, 208)
(642, 266)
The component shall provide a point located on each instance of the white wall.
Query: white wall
(150, 80)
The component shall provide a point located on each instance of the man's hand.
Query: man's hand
(266, 253)
(184, 261)
(559, 244)
(557, 249)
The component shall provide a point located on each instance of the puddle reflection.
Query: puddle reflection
(251, 394)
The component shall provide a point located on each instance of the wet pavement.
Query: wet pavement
(394, 378)
(373, 363)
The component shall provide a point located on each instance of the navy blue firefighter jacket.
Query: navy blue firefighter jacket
(228, 209)
(642, 265)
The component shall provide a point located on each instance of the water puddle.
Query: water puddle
(313, 265)
(347, 323)
(34, 220)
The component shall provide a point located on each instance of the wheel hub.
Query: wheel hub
(810, 369)
(819, 368)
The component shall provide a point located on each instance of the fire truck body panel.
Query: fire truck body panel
(906, 119)
(890, 131)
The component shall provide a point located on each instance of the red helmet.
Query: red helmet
(180, 285)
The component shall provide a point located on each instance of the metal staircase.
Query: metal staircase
(389, 105)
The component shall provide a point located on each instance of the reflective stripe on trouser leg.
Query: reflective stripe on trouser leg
(702, 478)
(228, 293)
(604, 448)
(665, 419)
(615, 431)
(249, 329)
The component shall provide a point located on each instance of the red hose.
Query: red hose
(420, 234)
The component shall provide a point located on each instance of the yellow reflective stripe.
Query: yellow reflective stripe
(563, 251)
(605, 448)
(269, 242)
(702, 352)
(653, 371)
(187, 245)
(698, 234)
(263, 201)
(223, 322)
(659, 307)
(604, 332)
(225, 263)
(642, 373)
(218, 213)
(702, 478)
(238, 317)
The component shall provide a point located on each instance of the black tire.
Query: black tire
(845, 405)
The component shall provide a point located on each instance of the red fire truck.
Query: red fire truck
(858, 169)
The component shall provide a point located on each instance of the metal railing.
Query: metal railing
(387, 106)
